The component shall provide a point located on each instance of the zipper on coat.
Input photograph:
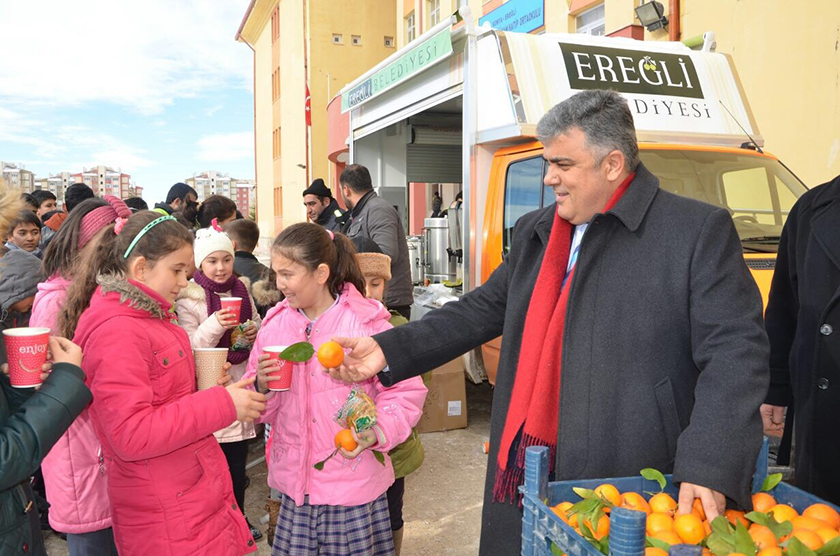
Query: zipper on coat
(101, 462)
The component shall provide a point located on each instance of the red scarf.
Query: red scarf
(535, 402)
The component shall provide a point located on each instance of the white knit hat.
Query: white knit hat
(207, 241)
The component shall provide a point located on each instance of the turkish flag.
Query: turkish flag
(308, 107)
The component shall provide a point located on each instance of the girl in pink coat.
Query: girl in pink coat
(168, 483)
(340, 510)
(74, 470)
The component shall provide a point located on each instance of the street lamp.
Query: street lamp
(651, 15)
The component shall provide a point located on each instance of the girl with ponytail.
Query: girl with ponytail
(169, 489)
(323, 510)
(75, 473)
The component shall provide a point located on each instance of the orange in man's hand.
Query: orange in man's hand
(344, 439)
(330, 355)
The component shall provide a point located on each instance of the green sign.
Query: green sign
(415, 60)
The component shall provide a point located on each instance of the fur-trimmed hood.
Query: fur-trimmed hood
(265, 293)
(195, 292)
(134, 295)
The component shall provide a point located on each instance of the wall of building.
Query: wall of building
(263, 127)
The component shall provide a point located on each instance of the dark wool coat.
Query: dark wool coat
(664, 351)
(803, 323)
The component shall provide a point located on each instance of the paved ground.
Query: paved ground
(442, 500)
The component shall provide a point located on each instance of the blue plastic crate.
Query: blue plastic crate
(541, 526)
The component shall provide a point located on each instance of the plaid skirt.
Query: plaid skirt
(333, 530)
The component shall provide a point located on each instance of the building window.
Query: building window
(591, 22)
(275, 147)
(275, 24)
(356, 40)
(337, 38)
(434, 12)
(389, 42)
(410, 28)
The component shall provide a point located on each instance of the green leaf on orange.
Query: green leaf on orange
(653, 475)
(743, 541)
(300, 352)
(831, 548)
(771, 481)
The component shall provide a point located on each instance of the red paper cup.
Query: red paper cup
(26, 349)
(233, 303)
(281, 380)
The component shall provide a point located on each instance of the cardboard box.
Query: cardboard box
(446, 403)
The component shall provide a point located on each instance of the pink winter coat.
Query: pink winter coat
(168, 480)
(205, 332)
(302, 422)
(74, 469)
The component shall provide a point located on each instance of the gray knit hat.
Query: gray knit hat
(20, 274)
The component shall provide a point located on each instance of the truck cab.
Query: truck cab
(754, 187)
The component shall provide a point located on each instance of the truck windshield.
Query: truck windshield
(757, 191)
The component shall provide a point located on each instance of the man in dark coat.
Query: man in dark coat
(663, 350)
(321, 207)
(803, 323)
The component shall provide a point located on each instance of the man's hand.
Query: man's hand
(773, 419)
(714, 503)
(363, 362)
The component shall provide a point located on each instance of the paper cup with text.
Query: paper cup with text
(281, 380)
(233, 303)
(26, 349)
(208, 366)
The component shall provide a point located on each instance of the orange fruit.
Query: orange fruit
(762, 536)
(809, 538)
(823, 512)
(662, 504)
(635, 501)
(690, 528)
(573, 521)
(610, 493)
(562, 510)
(659, 522)
(698, 507)
(737, 554)
(344, 439)
(827, 534)
(653, 551)
(771, 551)
(668, 536)
(762, 502)
(601, 529)
(783, 512)
(330, 355)
(734, 516)
(809, 523)
(707, 527)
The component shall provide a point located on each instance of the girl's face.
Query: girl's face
(26, 236)
(302, 287)
(167, 276)
(375, 287)
(218, 266)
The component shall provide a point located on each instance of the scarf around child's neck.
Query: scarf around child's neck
(212, 289)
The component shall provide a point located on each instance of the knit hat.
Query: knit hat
(20, 273)
(374, 264)
(318, 188)
(209, 240)
(100, 217)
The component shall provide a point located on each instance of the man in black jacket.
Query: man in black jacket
(803, 323)
(321, 207)
(640, 342)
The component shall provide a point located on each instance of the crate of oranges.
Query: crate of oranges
(638, 516)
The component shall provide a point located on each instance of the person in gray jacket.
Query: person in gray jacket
(373, 217)
(633, 333)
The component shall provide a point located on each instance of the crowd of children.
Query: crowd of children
(155, 466)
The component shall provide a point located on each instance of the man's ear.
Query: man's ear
(235, 247)
(616, 164)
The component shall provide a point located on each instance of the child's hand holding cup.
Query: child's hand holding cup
(227, 318)
(61, 350)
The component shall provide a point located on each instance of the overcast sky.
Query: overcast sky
(158, 88)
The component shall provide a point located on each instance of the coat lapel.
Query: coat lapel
(825, 226)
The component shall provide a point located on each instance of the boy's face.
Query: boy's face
(48, 205)
(375, 287)
(23, 306)
(26, 236)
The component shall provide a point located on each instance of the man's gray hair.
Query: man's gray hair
(603, 116)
